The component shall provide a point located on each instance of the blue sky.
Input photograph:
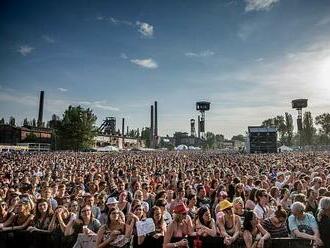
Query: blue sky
(249, 58)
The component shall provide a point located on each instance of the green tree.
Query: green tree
(145, 135)
(12, 121)
(2, 121)
(34, 122)
(288, 129)
(77, 129)
(25, 122)
(210, 139)
(277, 122)
(308, 131)
(239, 137)
(323, 120)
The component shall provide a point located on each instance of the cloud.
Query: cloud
(258, 5)
(206, 53)
(123, 56)
(260, 59)
(146, 63)
(104, 105)
(62, 89)
(48, 39)
(119, 22)
(145, 29)
(25, 50)
(100, 18)
(324, 21)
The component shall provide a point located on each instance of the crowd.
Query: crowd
(164, 199)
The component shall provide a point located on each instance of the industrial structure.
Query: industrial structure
(202, 106)
(261, 139)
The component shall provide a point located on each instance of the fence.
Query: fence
(37, 240)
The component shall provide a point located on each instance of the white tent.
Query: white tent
(285, 149)
(181, 147)
(107, 149)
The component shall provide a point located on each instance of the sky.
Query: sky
(249, 58)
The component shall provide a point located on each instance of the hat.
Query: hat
(111, 200)
(180, 208)
(225, 204)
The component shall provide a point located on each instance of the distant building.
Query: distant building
(36, 138)
(117, 141)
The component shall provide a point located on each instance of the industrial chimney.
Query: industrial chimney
(156, 120)
(41, 108)
(151, 126)
(123, 127)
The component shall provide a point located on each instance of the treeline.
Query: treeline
(315, 131)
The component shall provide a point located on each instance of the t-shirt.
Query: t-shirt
(306, 225)
(275, 232)
(262, 213)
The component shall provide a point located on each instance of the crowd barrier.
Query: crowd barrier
(27, 239)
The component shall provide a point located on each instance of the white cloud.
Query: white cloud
(258, 5)
(62, 89)
(260, 59)
(103, 105)
(146, 63)
(324, 21)
(206, 53)
(119, 22)
(100, 18)
(25, 50)
(48, 39)
(145, 29)
(123, 56)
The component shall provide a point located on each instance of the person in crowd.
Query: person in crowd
(85, 223)
(202, 200)
(23, 216)
(138, 195)
(205, 224)
(285, 200)
(276, 225)
(90, 200)
(43, 216)
(229, 223)
(74, 208)
(238, 208)
(111, 203)
(311, 202)
(123, 204)
(192, 200)
(6, 217)
(323, 218)
(239, 191)
(179, 198)
(47, 193)
(303, 225)
(262, 210)
(251, 201)
(161, 203)
(114, 232)
(181, 227)
(137, 214)
(254, 235)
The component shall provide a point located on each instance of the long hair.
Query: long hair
(49, 208)
(247, 221)
(80, 210)
(323, 205)
(201, 211)
(152, 213)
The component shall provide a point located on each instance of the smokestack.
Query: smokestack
(199, 127)
(156, 120)
(123, 127)
(127, 131)
(192, 128)
(151, 126)
(41, 108)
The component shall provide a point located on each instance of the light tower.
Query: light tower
(202, 107)
(299, 104)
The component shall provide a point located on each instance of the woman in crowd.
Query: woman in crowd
(238, 207)
(114, 232)
(205, 224)
(23, 216)
(324, 220)
(43, 216)
(85, 223)
(251, 202)
(311, 202)
(229, 223)
(74, 208)
(303, 225)
(137, 214)
(254, 234)
(179, 229)
(239, 191)
(123, 204)
(5, 216)
(138, 195)
(192, 200)
(276, 225)
(262, 210)
(285, 200)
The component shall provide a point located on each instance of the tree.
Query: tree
(34, 122)
(323, 120)
(2, 121)
(288, 128)
(308, 131)
(210, 139)
(12, 121)
(239, 137)
(77, 130)
(145, 135)
(25, 122)
(278, 123)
